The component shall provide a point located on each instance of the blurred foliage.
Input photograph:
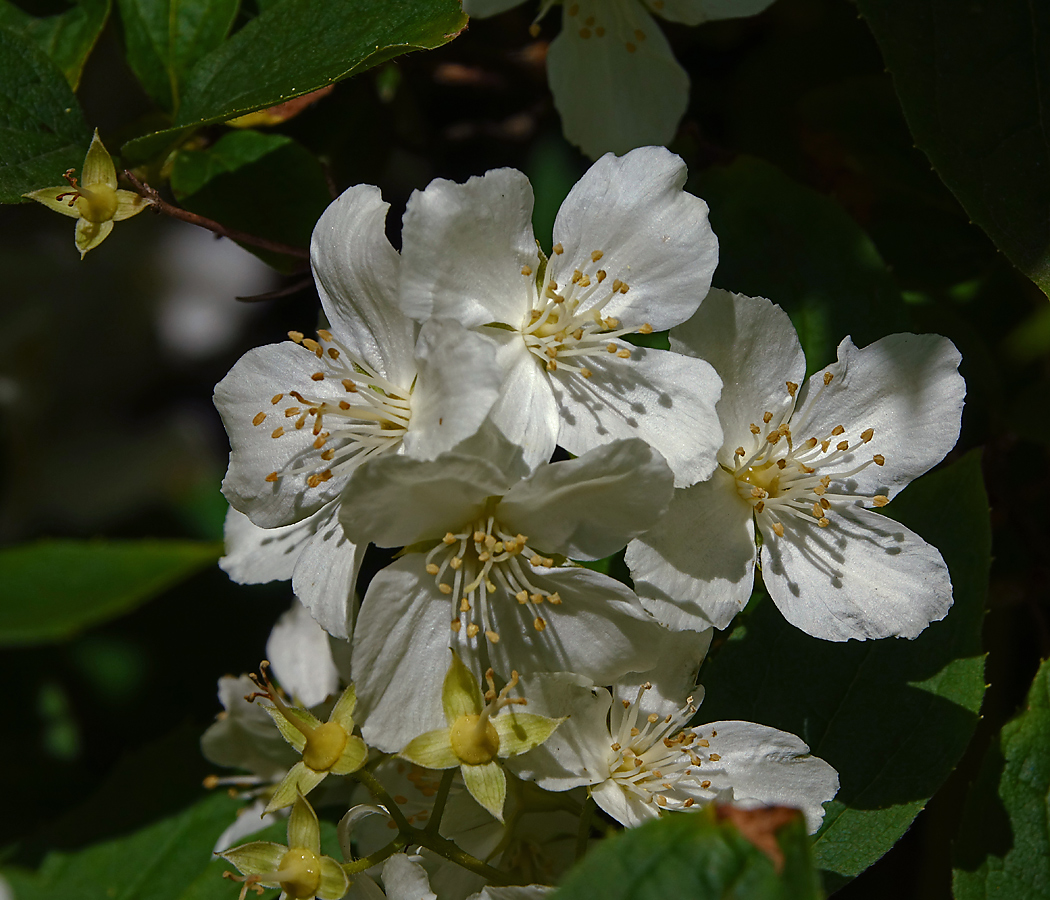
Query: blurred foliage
(762, 856)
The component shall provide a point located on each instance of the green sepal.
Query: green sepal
(343, 711)
(354, 755)
(288, 731)
(460, 694)
(299, 781)
(334, 881)
(521, 732)
(304, 831)
(432, 750)
(488, 785)
(256, 857)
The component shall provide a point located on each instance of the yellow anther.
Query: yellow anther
(272, 477)
(558, 250)
(866, 436)
(755, 429)
(624, 354)
(879, 459)
(492, 636)
(291, 412)
(539, 624)
(445, 589)
(349, 386)
(472, 630)
(317, 376)
(456, 562)
(827, 378)
(259, 418)
(767, 417)
(296, 336)
(837, 430)
(456, 625)
(276, 398)
(526, 271)
(739, 451)
(792, 387)
(433, 568)
(277, 432)
(880, 499)
(646, 329)
(601, 275)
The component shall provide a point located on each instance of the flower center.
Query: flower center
(300, 873)
(365, 416)
(324, 746)
(785, 480)
(483, 558)
(647, 761)
(475, 740)
(97, 204)
(566, 321)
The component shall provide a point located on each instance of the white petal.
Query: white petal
(598, 631)
(652, 234)
(905, 386)
(863, 576)
(464, 247)
(673, 678)
(397, 500)
(514, 892)
(364, 888)
(455, 389)
(694, 12)
(754, 348)
(356, 270)
(246, 392)
(626, 808)
(591, 506)
(298, 650)
(664, 398)
(525, 411)
(406, 880)
(696, 568)
(577, 753)
(401, 655)
(611, 99)
(768, 767)
(257, 555)
(326, 573)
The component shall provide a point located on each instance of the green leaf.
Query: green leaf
(244, 177)
(781, 240)
(192, 169)
(51, 589)
(68, 38)
(160, 862)
(299, 46)
(694, 855)
(42, 131)
(1002, 847)
(973, 81)
(165, 38)
(893, 716)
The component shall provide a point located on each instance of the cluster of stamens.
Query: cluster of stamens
(472, 566)
(568, 321)
(367, 418)
(648, 758)
(783, 479)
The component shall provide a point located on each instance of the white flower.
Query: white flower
(633, 252)
(480, 576)
(634, 751)
(615, 81)
(804, 463)
(302, 416)
(314, 553)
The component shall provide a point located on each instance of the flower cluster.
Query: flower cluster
(487, 410)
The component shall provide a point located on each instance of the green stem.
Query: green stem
(439, 802)
(366, 862)
(377, 790)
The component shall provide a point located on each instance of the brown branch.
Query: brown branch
(162, 206)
